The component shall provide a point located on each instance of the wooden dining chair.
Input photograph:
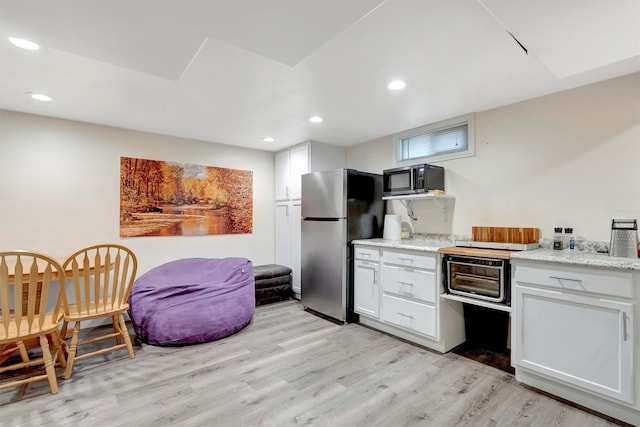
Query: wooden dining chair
(102, 277)
(30, 313)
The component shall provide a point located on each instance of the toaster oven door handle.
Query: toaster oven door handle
(477, 277)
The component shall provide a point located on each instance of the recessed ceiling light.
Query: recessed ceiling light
(268, 139)
(24, 43)
(396, 85)
(40, 96)
(316, 119)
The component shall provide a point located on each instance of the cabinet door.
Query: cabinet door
(283, 234)
(298, 166)
(587, 342)
(366, 288)
(282, 175)
(295, 224)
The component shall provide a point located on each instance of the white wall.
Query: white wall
(59, 187)
(570, 159)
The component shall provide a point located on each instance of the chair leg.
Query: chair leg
(58, 346)
(125, 335)
(116, 329)
(73, 348)
(48, 364)
(22, 349)
(63, 331)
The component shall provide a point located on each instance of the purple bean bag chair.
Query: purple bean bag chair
(192, 301)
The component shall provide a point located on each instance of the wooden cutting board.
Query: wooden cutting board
(505, 234)
(476, 252)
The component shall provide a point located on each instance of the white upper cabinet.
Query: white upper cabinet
(298, 166)
(282, 175)
(296, 161)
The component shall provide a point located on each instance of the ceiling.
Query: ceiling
(233, 72)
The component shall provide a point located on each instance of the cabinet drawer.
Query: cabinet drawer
(606, 282)
(409, 259)
(417, 284)
(366, 253)
(411, 315)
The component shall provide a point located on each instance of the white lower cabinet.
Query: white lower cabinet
(295, 224)
(574, 338)
(397, 291)
(367, 288)
(580, 340)
(288, 226)
(410, 291)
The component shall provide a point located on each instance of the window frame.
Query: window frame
(468, 119)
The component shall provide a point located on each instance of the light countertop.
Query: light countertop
(567, 257)
(425, 245)
(579, 258)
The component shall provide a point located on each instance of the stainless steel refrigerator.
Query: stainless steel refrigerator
(338, 206)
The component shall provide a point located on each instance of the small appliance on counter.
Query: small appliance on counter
(480, 268)
(624, 238)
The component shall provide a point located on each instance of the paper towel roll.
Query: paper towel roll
(392, 227)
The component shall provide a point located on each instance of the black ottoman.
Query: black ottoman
(273, 283)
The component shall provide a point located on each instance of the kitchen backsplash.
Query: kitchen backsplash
(593, 246)
(581, 245)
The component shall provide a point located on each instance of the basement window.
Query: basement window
(445, 140)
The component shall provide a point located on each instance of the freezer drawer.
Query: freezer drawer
(324, 268)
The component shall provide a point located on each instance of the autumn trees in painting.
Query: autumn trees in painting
(163, 198)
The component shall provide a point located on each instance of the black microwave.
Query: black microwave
(414, 179)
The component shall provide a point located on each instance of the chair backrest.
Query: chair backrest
(29, 292)
(102, 277)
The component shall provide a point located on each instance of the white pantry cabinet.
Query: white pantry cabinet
(290, 165)
(574, 334)
(288, 226)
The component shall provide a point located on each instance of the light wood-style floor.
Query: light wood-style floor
(287, 368)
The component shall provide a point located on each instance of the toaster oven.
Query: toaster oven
(477, 277)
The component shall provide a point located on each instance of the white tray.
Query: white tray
(497, 245)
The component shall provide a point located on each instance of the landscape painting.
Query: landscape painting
(159, 198)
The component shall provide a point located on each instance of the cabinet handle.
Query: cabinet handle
(406, 320)
(624, 325)
(403, 284)
(375, 277)
(565, 278)
(409, 261)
